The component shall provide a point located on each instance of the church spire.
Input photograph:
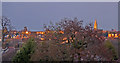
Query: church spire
(95, 25)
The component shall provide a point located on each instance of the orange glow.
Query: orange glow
(26, 32)
(42, 32)
(62, 42)
(119, 35)
(42, 38)
(13, 36)
(112, 35)
(37, 32)
(116, 36)
(62, 32)
(109, 35)
(14, 32)
(48, 31)
(95, 25)
(22, 32)
(66, 41)
(17, 37)
(65, 38)
(75, 32)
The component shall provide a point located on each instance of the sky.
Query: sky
(60, 0)
(119, 16)
(35, 14)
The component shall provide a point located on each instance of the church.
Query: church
(95, 25)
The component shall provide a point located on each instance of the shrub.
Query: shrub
(24, 54)
(109, 45)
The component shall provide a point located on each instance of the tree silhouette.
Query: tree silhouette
(5, 22)
(80, 38)
(24, 54)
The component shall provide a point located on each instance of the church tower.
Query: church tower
(95, 25)
(25, 28)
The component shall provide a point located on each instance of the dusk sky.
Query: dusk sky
(35, 14)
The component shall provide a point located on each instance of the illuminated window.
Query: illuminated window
(109, 35)
(116, 35)
(112, 35)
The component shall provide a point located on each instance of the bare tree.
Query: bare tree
(80, 38)
(5, 22)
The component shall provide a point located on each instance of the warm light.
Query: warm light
(109, 35)
(13, 36)
(22, 32)
(37, 32)
(62, 42)
(42, 33)
(7, 35)
(48, 31)
(14, 32)
(42, 39)
(95, 25)
(66, 41)
(26, 32)
(75, 32)
(65, 38)
(119, 35)
(116, 36)
(112, 35)
(17, 37)
(62, 32)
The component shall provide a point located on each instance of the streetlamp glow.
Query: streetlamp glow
(26, 32)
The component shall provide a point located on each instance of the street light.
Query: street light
(26, 32)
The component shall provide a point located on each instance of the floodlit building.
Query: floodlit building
(95, 25)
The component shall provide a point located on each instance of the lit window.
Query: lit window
(109, 35)
(116, 35)
(112, 35)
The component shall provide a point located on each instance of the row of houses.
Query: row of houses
(25, 34)
(111, 34)
(40, 34)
